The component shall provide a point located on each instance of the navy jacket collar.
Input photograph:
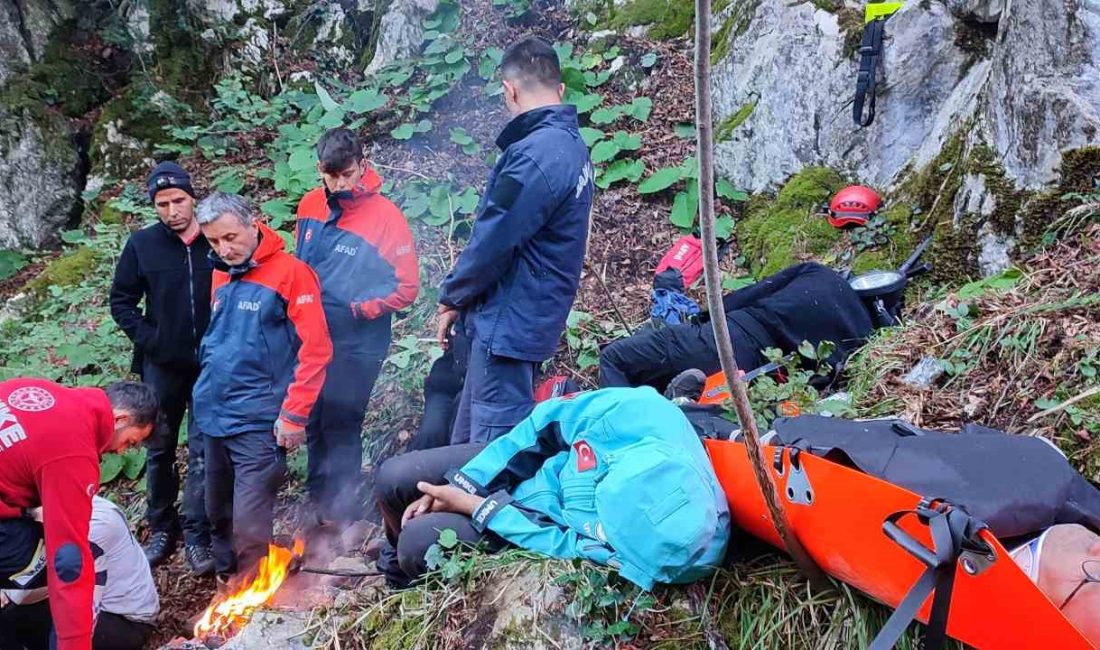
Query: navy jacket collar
(559, 115)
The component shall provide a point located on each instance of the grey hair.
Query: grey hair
(218, 204)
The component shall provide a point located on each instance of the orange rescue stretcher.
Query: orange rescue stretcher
(838, 513)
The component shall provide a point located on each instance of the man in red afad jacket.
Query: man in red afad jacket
(263, 363)
(51, 439)
(359, 244)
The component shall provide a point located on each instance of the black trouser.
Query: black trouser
(244, 474)
(30, 627)
(395, 488)
(173, 388)
(654, 356)
(335, 432)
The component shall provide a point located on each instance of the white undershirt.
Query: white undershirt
(124, 582)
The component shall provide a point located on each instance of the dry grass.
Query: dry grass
(1022, 358)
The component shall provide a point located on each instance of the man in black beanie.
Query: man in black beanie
(166, 264)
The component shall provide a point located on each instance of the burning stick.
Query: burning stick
(228, 613)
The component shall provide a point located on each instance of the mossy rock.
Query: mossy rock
(734, 25)
(184, 62)
(776, 234)
(1080, 170)
(726, 127)
(127, 129)
(66, 271)
(665, 18)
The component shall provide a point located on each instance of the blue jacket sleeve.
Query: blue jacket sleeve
(516, 456)
(517, 205)
(535, 531)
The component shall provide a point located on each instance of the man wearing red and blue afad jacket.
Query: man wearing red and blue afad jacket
(51, 440)
(515, 282)
(263, 364)
(359, 244)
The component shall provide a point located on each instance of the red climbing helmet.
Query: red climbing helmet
(853, 206)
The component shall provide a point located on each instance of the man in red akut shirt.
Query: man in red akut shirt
(51, 439)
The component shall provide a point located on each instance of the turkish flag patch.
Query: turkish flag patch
(586, 458)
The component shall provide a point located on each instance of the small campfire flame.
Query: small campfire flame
(228, 613)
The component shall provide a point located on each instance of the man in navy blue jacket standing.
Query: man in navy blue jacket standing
(512, 287)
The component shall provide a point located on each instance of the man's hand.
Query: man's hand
(446, 317)
(421, 506)
(288, 435)
(448, 498)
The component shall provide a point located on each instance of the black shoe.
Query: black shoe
(201, 559)
(160, 547)
(688, 384)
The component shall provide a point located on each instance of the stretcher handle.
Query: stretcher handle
(911, 545)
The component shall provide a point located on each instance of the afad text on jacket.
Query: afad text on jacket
(267, 347)
(360, 246)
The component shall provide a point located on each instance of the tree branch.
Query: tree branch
(704, 128)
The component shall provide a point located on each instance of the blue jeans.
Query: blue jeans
(498, 393)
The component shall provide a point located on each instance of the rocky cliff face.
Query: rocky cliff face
(990, 92)
(88, 87)
(1023, 76)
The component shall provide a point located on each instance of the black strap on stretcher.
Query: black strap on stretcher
(952, 530)
(870, 58)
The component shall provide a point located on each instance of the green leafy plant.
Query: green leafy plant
(771, 398)
(11, 262)
(638, 109)
(584, 333)
(620, 170)
(876, 233)
(620, 141)
(469, 146)
(409, 129)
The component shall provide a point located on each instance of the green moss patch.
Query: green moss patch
(776, 234)
(727, 126)
(66, 271)
(666, 18)
(735, 24)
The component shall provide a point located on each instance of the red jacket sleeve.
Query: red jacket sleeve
(398, 250)
(66, 486)
(305, 312)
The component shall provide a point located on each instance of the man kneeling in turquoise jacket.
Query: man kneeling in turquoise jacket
(617, 476)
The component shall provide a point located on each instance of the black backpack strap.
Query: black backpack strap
(951, 528)
(870, 57)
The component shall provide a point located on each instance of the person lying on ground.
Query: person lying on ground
(805, 302)
(51, 440)
(515, 282)
(125, 596)
(360, 246)
(263, 365)
(616, 476)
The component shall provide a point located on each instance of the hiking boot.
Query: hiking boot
(688, 384)
(201, 559)
(160, 547)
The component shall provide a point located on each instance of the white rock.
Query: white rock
(400, 32)
(272, 631)
(994, 251)
(41, 177)
(1036, 94)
